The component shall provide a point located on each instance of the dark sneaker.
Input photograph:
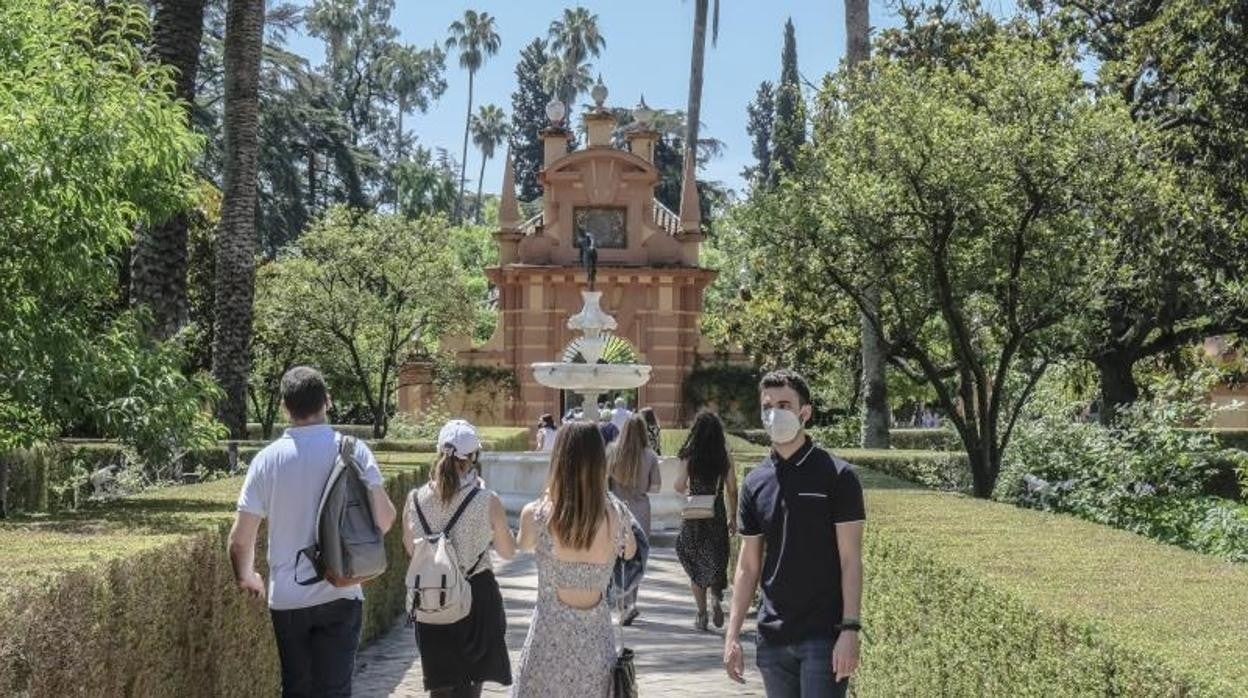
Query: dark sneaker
(717, 615)
(699, 621)
(630, 616)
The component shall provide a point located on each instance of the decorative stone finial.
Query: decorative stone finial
(599, 93)
(643, 113)
(555, 111)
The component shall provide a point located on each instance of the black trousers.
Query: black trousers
(317, 648)
(467, 690)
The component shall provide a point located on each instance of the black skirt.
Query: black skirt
(473, 649)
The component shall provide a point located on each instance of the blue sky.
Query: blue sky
(647, 51)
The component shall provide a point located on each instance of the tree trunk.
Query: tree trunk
(236, 237)
(1118, 386)
(693, 112)
(158, 262)
(463, 158)
(480, 181)
(857, 31)
(4, 487)
(875, 416)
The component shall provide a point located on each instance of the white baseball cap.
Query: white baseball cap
(460, 436)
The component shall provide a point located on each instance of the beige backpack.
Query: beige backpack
(438, 592)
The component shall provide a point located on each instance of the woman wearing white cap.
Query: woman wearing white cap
(458, 658)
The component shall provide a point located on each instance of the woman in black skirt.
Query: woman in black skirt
(458, 658)
(702, 545)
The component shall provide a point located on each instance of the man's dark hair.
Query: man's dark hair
(785, 378)
(304, 392)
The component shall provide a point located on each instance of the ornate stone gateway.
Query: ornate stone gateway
(600, 224)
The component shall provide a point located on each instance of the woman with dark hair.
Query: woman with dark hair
(578, 530)
(633, 469)
(546, 433)
(458, 658)
(702, 545)
(652, 430)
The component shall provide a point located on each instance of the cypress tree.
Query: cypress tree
(789, 132)
(528, 114)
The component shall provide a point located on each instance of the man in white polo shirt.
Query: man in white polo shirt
(318, 625)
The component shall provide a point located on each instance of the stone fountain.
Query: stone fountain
(591, 379)
(519, 478)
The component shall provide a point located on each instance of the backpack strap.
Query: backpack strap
(460, 511)
(424, 523)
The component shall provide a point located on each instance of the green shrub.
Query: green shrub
(940, 470)
(1144, 475)
(938, 439)
(972, 598)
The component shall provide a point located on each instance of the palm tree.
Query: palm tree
(476, 40)
(489, 129)
(574, 37)
(158, 262)
(874, 433)
(693, 112)
(236, 236)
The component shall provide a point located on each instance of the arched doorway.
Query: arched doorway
(617, 351)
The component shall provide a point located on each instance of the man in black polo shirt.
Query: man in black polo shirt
(801, 520)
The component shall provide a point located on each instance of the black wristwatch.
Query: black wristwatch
(852, 624)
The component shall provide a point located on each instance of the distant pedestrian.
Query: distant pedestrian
(317, 625)
(607, 428)
(653, 432)
(546, 433)
(633, 469)
(802, 518)
(457, 659)
(621, 413)
(702, 545)
(578, 530)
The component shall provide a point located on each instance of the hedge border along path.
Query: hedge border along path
(971, 597)
(137, 598)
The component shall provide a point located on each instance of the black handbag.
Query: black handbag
(624, 675)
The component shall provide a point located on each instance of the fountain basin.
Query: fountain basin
(585, 378)
(520, 477)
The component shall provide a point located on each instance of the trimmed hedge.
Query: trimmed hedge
(55, 478)
(970, 597)
(145, 603)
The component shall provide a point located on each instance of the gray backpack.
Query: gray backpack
(349, 548)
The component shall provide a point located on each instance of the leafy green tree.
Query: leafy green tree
(975, 219)
(375, 289)
(476, 39)
(373, 81)
(489, 130)
(528, 116)
(761, 116)
(280, 340)
(1183, 68)
(574, 38)
(93, 146)
(426, 186)
(789, 130)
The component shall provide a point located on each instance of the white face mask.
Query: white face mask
(782, 425)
